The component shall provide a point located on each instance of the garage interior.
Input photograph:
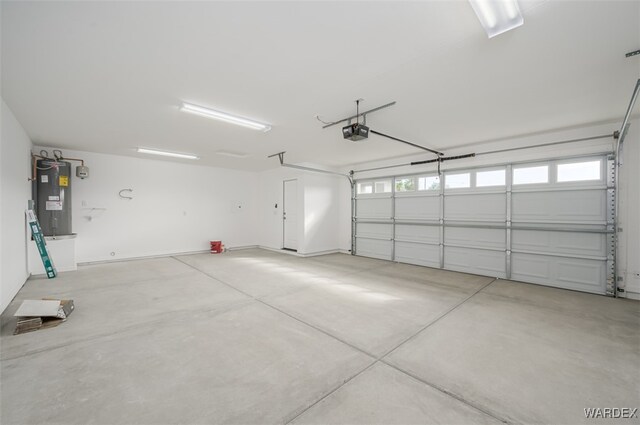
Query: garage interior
(320, 212)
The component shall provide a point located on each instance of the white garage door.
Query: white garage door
(548, 222)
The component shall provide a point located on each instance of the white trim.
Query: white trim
(629, 295)
(144, 257)
(174, 254)
(238, 248)
(298, 254)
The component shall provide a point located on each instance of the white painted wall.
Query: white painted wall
(629, 246)
(318, 209)
(15, 191)
(176, 207)
(180, 207)
(321, 213)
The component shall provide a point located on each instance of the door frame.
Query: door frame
(284, 212)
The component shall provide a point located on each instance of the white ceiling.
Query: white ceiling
(108, 77)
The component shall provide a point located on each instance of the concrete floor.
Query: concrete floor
(255, 336)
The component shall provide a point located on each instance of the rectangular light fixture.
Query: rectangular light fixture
(165, 153)
(497, 16)
(223, 116)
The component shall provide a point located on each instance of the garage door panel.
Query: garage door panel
(374, 208)
(571, 243)
(481, 238)
(374, 230)
(418, 233)
(418, 208)
(544, 224)
(417, 253)
(570, 273)
(563, 206)
(580, 271)
(478, 261)
(492, 206)
(530, 268)
(374, 248)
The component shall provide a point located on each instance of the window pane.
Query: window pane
(579, 171)
(490, 178)
(365, 187)
(383, 186)
(429, 183)
(529, 175)
(406, 184)
(454, 181)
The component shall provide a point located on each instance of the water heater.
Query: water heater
(53, 196)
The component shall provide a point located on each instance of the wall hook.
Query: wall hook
(123, 196)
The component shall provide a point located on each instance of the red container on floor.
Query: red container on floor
(216, 247)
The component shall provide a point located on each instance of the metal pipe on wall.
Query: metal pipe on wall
(582, 139)
(315, 170)
(280, 156)
(627, 115)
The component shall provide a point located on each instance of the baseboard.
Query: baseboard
(238, 248)
(632, 295)
(233, 248)
(174, 254)
(58, 270)
(280, 251)
(318, 253)
(142, 257)
(299, 254)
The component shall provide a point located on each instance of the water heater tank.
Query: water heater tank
(53, 196)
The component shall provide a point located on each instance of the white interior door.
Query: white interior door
(290, 214)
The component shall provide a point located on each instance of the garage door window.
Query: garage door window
(429, 183)
(405, 184)
(531, 175)
(579, 171)
(490, 178)
(383, 186)
(373, 187)
(457, 181)
(365, 188)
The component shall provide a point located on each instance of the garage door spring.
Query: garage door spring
(442, 159)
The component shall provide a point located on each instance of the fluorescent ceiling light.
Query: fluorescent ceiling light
(223, 116)
(165, 153)
(497, 16)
